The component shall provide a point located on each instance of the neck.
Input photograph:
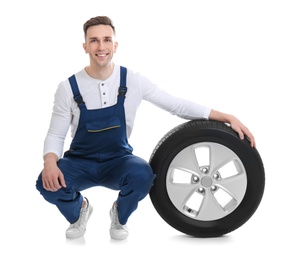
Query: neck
(101, 73)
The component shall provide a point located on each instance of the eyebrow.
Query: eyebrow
(96, 38)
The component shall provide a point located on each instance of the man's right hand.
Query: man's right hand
(52, 177)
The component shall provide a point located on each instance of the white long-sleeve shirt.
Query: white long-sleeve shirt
(98, 94)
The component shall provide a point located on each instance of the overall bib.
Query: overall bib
(100, 155)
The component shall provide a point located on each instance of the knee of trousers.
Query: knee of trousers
(47, 195)
(141, 180)
(53, 197)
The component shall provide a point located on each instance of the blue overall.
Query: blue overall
(100, 155)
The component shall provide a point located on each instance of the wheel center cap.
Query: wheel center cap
(206, 181)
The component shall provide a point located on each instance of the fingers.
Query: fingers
(62, 181)
(241, 134)
(54, 184)
(51, 185)
(245, 132)
(250, 137)
(252, 141)
(52, 177)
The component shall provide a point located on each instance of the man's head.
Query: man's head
(100, 41)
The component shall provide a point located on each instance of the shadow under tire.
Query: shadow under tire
(208, 181)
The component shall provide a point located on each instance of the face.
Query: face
(100, 44)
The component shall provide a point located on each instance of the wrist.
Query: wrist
(50, 158)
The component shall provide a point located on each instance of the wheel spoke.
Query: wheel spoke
(210, 208)
(219, 156)
(234, 185)
(186, 160)
(180, 193)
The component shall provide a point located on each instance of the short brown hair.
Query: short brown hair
(98, 20)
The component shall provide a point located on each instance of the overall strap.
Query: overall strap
(76, 94)
(122, 88)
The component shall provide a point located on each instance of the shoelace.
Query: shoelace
(115, 217)
(82, 215)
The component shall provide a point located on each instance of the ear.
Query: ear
(84, 47)
(115, 46)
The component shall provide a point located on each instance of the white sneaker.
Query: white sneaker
(78, 228)
(117, 231)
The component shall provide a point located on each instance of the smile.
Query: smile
(101, 55)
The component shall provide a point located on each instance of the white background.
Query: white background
(230, 55)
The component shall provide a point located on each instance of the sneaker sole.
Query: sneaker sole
(118, 237)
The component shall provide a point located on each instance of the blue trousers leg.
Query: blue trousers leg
(68, 200)
(134, 178)
(130, 174)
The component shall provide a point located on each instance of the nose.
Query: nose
(100, 45)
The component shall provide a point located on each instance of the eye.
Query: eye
(93, 40)
(108, 40)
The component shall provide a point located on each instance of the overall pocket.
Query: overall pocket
(100, 126)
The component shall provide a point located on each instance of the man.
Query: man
(100, 103)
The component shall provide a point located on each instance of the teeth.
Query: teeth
(101, 55)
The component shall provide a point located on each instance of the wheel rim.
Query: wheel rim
(206, 181)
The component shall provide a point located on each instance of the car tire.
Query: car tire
(208, 181)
